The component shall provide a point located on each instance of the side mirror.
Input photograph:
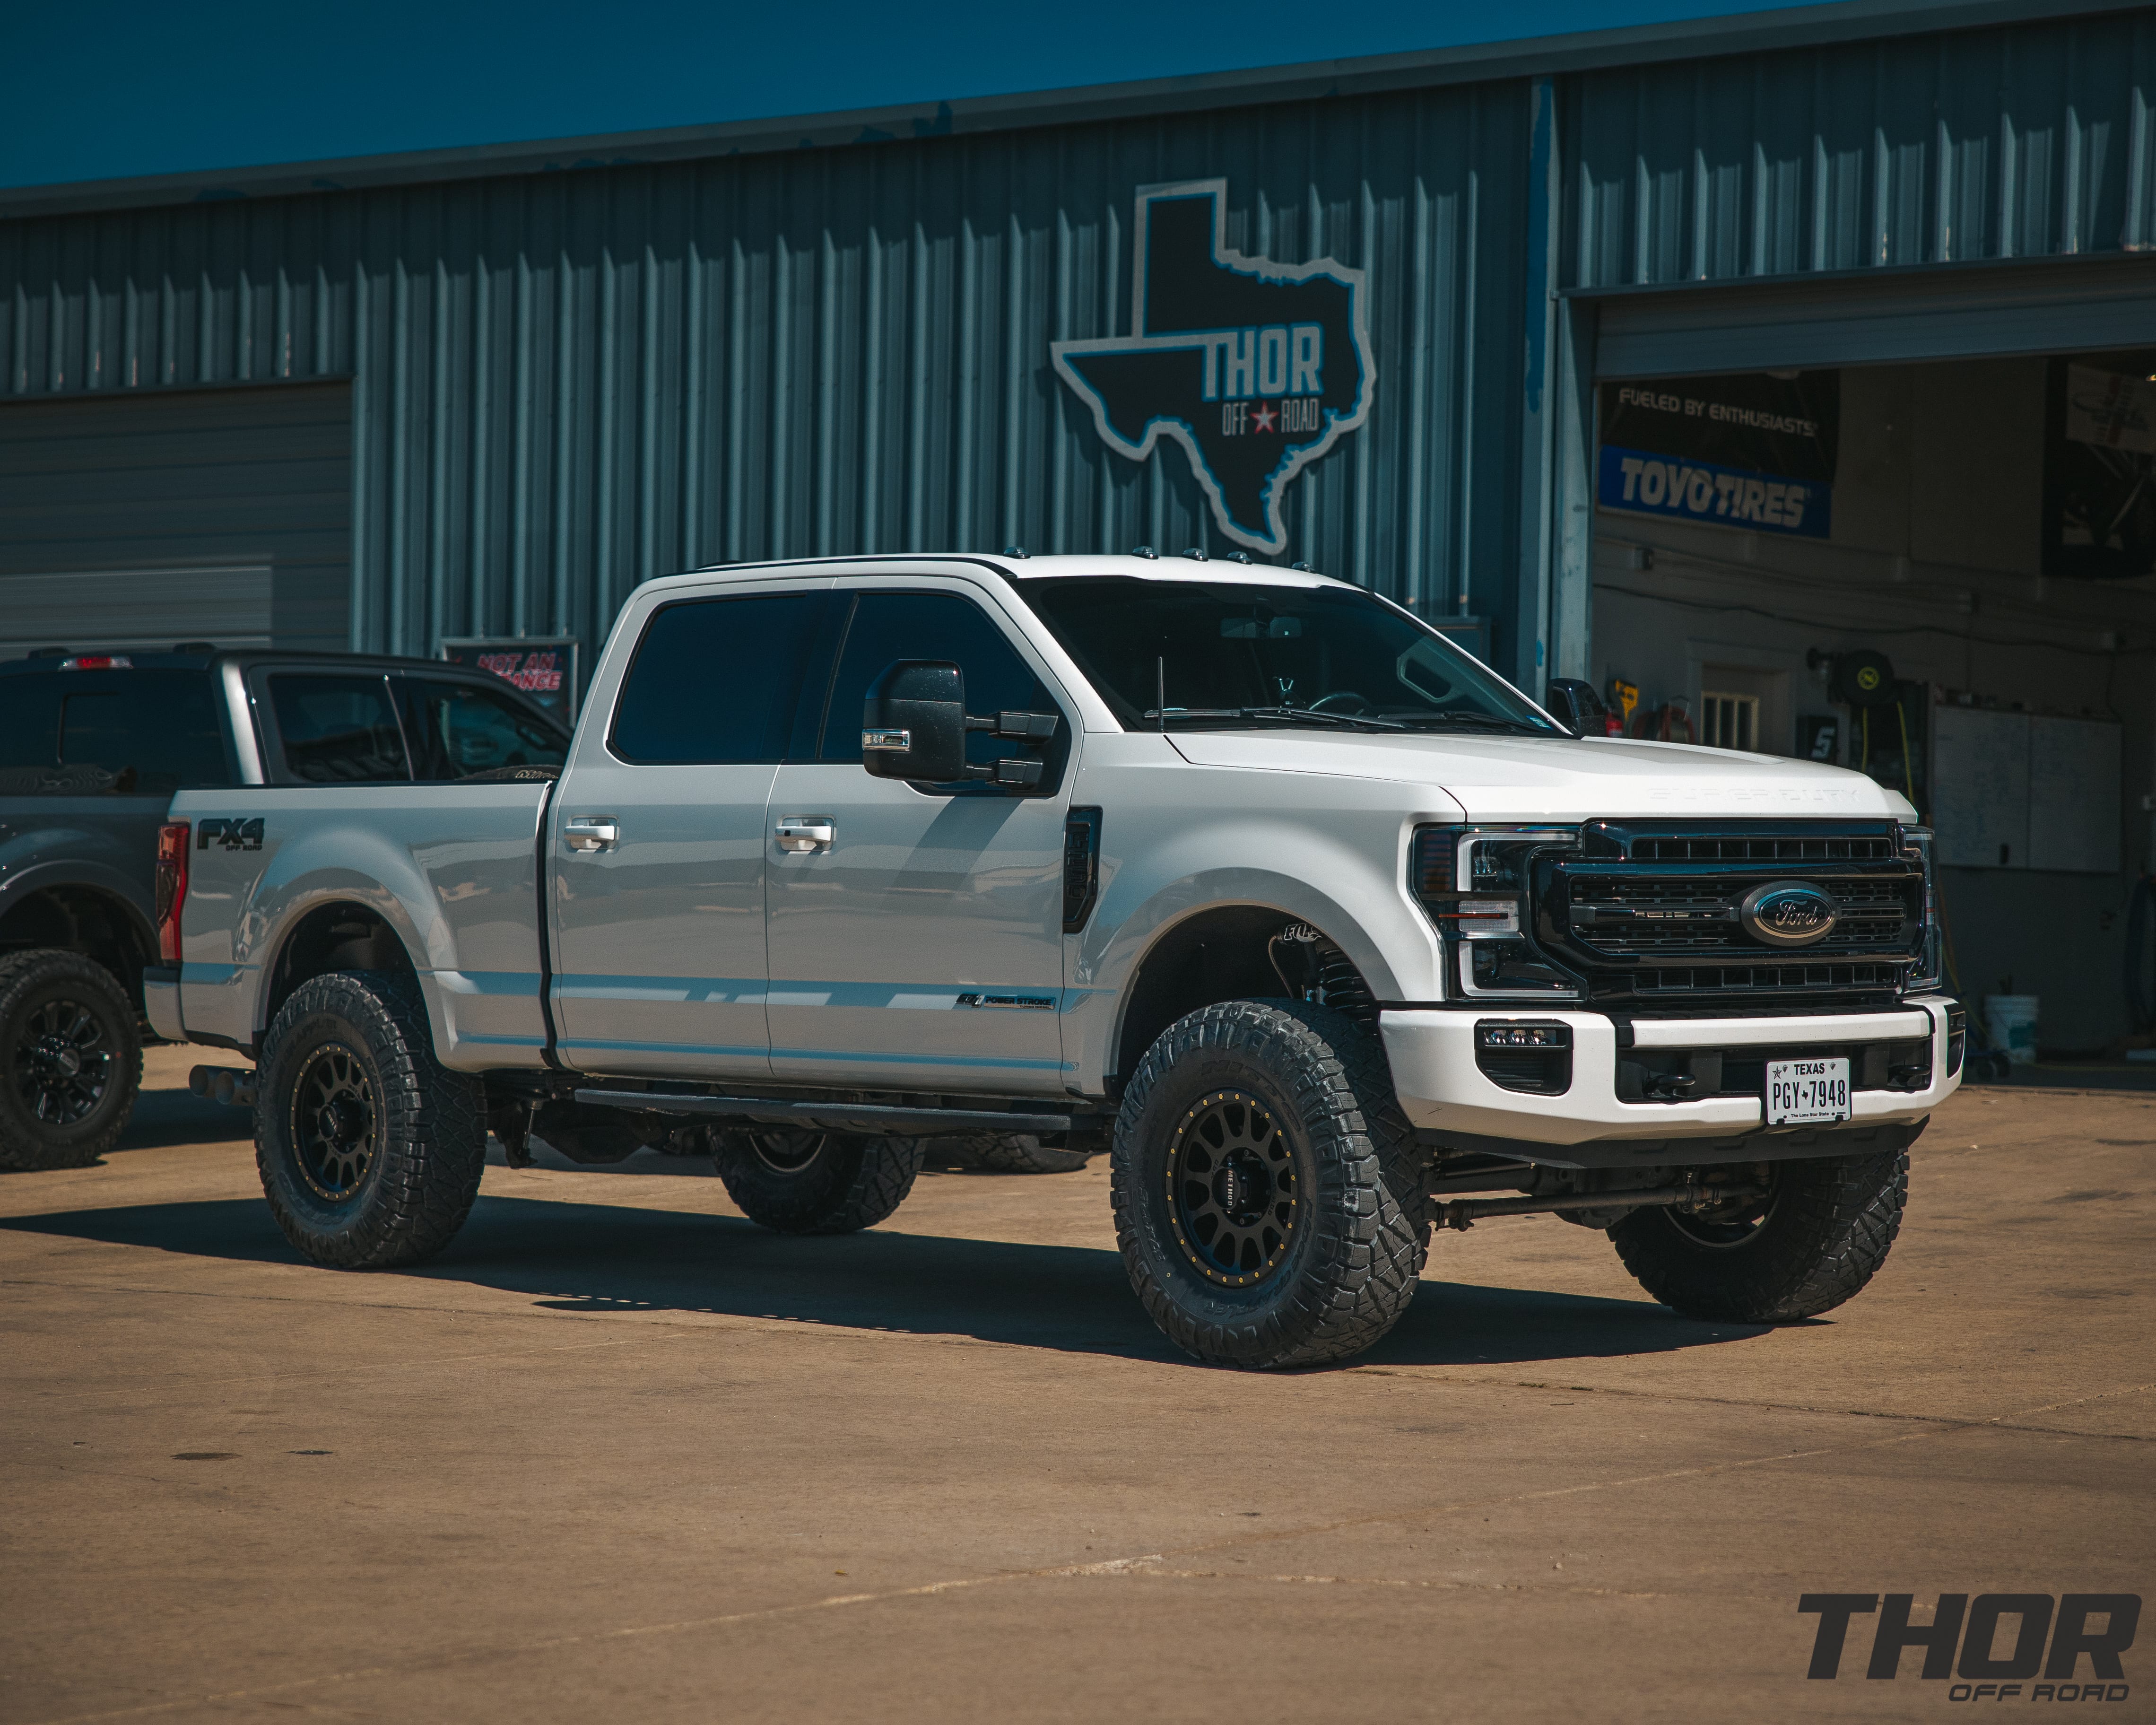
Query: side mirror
(1580, 705)
(914, 726)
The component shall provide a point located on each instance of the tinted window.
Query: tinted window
(887, 626)
(338, 730)
(149, 732)
(714, 681)
(29, 724)
(1242, 652)
(458, 729)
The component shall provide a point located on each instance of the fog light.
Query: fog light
(1957, 1038)
(1535, 1058)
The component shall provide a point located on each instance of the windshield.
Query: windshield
(1239, 653)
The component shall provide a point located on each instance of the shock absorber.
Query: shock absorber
(1341, 987)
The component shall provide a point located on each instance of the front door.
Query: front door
(658, 847)
(921, 947)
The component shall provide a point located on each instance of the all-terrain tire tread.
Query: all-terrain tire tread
(1010, 1153)
(20, 1154)
(432, 1130)
(1836, 1219)
(866, 1180)
(1372, 1226)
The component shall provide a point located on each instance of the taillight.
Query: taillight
(172, 888)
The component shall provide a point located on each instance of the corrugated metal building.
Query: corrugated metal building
(383, 403)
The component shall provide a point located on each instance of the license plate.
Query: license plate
(1807, 1093)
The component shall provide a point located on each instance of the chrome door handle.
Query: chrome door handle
(805, 834)
(590, 832)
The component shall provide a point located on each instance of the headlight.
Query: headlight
(1473, 883)
(1916, 847)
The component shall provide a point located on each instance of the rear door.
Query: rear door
(656, 842)
(921, 948)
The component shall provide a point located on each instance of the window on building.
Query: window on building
(1728, 721)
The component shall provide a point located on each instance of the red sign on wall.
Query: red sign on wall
(546, 670)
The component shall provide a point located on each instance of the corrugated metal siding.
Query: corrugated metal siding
(564, 384)
(170, 514)
(2033, 140)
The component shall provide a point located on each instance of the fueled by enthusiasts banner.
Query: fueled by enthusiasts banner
(1755, 451)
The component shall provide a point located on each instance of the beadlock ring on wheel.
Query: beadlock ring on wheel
(334, 1123)
(1232, 1195)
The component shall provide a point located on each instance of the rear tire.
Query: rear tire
(370, 1153)
(73, 1060)
(794, 1181)
(1819, 1236)
(1268, 1191)
(1010, 1153)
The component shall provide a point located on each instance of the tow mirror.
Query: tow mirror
(1580, 705)
(914, 726)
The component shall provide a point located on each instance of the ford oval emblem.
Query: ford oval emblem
(1788, 913)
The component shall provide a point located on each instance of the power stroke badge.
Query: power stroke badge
(1256, 369)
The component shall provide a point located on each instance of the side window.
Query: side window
(154, 731)
(714, 681)
(338, 730)
(887, 626)
(147, 732)
(458, 729)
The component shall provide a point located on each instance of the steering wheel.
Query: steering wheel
(1342, 701)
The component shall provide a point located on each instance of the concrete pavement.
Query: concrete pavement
(618, 1455)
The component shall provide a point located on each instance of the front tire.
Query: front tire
(1268, 1194)
(1821, 1234)
(370, 1151)
(74, 1060)
(793, 1181)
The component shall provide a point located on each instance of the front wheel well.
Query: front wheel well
(342, 935)
(1227, 954)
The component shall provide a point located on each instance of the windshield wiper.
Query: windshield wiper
(1519, 728)
(1352, 720)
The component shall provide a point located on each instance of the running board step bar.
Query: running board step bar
(829, 1116)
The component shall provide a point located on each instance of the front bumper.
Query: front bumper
(161, 1001)
(1442, 1089)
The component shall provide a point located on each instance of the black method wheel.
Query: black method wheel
(793, 1181)
(1007, 1153)
(370, 1153)
(1820, 1235)
(1268, 1194)
(74, 1060)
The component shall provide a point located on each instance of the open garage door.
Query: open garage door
(1971, 312)
(137, 520)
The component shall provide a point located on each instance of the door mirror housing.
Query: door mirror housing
(914, 726)
(1579, 704)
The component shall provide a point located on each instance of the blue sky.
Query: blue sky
(95, 91)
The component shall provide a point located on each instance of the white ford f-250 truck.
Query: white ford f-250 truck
(1248, 877)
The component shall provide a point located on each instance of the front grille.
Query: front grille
(1646, 910)
(1741, 978)
(1635, 916)
(1768, 848)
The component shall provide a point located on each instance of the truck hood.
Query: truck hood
(1516, 779)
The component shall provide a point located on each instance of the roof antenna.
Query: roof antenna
(1160, 691)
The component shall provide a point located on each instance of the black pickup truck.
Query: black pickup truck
(92, 747)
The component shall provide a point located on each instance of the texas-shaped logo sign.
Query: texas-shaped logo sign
(1256, 369)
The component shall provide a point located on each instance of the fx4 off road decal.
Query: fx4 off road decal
(1256, 369)
(232, 835)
